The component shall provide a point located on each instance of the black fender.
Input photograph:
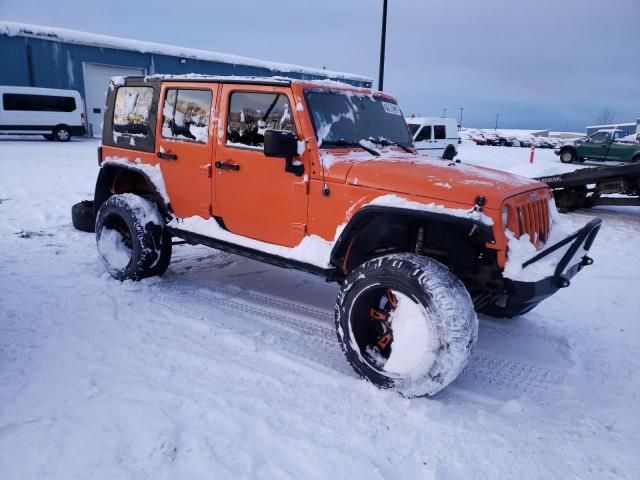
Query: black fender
(571, 148)
(138, 182)
(394, 228)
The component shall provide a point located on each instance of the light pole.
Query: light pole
(382, 45)
(444, 112)
(497, 116)
(461, 109)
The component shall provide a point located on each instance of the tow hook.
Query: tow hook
(563, 282)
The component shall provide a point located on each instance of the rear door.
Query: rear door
(254, 195)
(185, 146)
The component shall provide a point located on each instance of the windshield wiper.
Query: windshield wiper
(349, 143)
(385, 142)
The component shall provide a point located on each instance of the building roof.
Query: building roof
(614, 125)
(64, 35)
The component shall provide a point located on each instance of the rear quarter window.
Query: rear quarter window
(131, 112)
(439, 132)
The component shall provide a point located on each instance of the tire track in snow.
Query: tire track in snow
(307, 334)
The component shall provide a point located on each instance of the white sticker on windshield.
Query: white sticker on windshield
(391, 108)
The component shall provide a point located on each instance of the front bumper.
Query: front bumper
(523, 296)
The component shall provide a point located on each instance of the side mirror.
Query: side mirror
(283, 144)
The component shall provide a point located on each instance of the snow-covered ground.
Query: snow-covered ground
(228, 368)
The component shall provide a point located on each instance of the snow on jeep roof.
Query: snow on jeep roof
(84, 38)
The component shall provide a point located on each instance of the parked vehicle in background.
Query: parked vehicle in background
(606, 144)
(434, 136)
(53, 113)
(323, 178)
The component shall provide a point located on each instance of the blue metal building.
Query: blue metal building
(39, 56)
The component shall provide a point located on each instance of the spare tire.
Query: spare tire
(82, 216)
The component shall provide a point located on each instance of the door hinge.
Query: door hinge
(206, 170)
(301, 187)
(300, 228)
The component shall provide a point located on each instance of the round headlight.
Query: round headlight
(505, 215)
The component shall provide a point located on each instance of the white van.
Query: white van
(56, 114)
(434, 136)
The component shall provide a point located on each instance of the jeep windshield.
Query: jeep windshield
(343, 117)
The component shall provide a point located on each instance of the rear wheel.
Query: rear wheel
(131, 238)
(449, 153)
(62, 134)
(568, 155)
(636, 159)
(405, 322)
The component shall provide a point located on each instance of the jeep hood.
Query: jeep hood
(428, 177)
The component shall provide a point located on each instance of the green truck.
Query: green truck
(602, 145)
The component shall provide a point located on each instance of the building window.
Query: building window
(439, 132)
(37, 103)
(131, 113)
(250, 114)
(425, 134)
(185, 115)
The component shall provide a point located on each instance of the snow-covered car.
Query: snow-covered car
(434, 136)
(323, 178)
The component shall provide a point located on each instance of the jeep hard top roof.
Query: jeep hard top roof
(254, 80)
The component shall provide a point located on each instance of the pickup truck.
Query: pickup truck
(602, 145)
(324, 178)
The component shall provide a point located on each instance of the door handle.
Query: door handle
(227, 166)
(167, 156)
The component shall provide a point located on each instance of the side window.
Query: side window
(37, 103)
(439, 132)
(250, 114)
(600, 137)
(413, 128)
(131, 112)
(425, 134)
(185, 115)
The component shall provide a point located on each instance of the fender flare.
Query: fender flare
(474, 230)
(107, 177)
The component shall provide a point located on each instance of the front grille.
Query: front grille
(533, 218)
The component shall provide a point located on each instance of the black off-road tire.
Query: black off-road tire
(636, 159)
(449, 315)
(140, 225)
(449, 153)
(82, 216)
(568, 155)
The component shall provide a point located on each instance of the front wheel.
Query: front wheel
(568, 156)
(406, 322)
(131, 237)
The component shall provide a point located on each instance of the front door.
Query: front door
(254, 195)
(597, 146)
(184, 146)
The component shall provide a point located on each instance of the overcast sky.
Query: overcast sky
(553, 64)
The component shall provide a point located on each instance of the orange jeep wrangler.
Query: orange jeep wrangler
(323, 177)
